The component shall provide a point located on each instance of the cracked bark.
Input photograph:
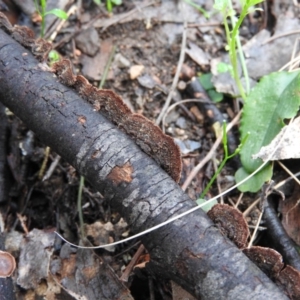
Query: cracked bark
(189, 251)
(6, 284)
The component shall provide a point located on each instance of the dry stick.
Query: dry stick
(44, 163)
(178, 103)
(294, 67)
(239, 200)
(71, 11)
(192, 25)
(289, 172)
(266, 190)
(217, 178)
(176, 77)
(291, 63)
(138, 253)
(294, 52)
(277, 186)
(76, 31)
(209, 155)
(255, 230)
(52, 168)
(294, 61)
(280, 36)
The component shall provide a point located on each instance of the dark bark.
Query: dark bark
(7, 291)
(190, 251)
(3, 155)
(6, 284)
(279, 237)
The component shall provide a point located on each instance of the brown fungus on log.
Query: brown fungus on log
(231, 223)
(267, 259)
(144, 132)
(289, 281)
(7, 264)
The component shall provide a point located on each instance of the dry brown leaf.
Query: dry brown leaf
(289, 146)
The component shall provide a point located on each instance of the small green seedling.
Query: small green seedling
(225, 159)
(198, 7)
(53, 57)
(232, 36)
(205, 80)
(109, 4)
(41, 9)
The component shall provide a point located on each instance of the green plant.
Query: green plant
(41, 9)
(225, 159)
(198, 7)
(233, 41)
(205, 80)
(53, 57)
(109, 4)
(273, 99)
(266, 106)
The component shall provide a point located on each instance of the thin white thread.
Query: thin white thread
(186, 212)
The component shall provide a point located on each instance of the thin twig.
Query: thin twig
(218, 178)
(71, 11)
(209, 155)
(277, 186)
(176, 77)
(126, 273)
(255, 230)
(280, 36)
(289, 172)
(192, 25)
(239, 200)
(178, 103)
(51, 168)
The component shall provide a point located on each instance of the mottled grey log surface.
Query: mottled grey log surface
(190, 250)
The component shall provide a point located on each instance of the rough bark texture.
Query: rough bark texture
(6, 284)
(190, 251)
(3, 155)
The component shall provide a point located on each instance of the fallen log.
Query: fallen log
(190, 251)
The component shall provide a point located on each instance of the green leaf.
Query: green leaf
(208, 206)
(43, 5)
(254, 2)
(273, 99)
(205, 80)
(109, 6)
(255, 183)
(215, 96)
(220, 4)
(199, 8)
(223, 67)
(53, 56)
(57, 12)
(98, 2)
